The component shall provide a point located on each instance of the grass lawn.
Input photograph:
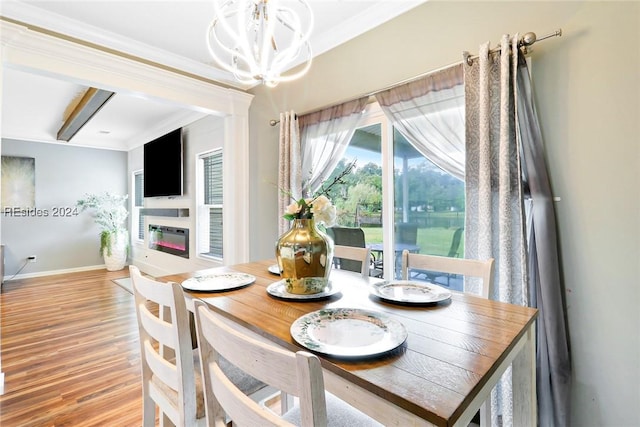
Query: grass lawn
(432, 240)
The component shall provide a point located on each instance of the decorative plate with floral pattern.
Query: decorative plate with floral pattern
(279, 290)
(348, 332)
(409, 292)
(218, 282)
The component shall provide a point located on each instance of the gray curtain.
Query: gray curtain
(494, 220)
(553, 374)
(289, 166)
(510, 216)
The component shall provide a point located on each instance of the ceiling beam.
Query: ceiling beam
(92, 101)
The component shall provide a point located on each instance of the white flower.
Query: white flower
(323, 211)
(319, 204)
(293, 208)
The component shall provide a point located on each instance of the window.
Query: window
(210, 199)
(397, 194)
(137, 220)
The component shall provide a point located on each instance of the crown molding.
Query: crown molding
(361, 23)
(358, 24)
(34, 51)
(82, 33)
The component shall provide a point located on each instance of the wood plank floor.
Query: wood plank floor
(70, 352)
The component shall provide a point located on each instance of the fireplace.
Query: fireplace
(172, 240)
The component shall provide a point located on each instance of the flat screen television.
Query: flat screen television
(163, 166)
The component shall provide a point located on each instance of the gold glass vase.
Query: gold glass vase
(304, 255)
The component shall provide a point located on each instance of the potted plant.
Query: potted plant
(110, 215)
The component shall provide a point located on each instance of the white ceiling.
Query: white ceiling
(171, 33)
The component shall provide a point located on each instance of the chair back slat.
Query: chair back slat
(465, 267)
(166, 350)
(362, 255)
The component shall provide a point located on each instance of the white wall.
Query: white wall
(203, 135)
(587, 92)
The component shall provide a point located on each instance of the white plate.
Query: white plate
(348, 332)
(278, 289)
(274, 269)
(410, 292)
(218, 282)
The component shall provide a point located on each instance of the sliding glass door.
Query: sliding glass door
(398, 197)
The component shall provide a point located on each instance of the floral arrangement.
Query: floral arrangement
(110, 215)
(319, 205)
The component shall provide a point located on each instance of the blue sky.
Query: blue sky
(363, 156)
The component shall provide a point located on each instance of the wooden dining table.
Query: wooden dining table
(455, 352)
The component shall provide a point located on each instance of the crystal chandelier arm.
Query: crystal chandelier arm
(221, 22)
(301, 72)
(268, 31)
(257, 40)
(298, 26)
(291, 21)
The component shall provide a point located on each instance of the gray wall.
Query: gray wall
(587, 93)
(63, 175)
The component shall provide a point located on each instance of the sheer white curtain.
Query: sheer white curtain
(289, 166)
(325, 136)
(429, 112)
(494, 221)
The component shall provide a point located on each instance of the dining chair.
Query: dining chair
(298, 374)
(352, 237)
(352, 253)
(469, 268)
(171, 378)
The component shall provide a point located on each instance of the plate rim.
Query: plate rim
(302, 297)
(269, 269)
(249, 279)
(445, 294)
(350, 353)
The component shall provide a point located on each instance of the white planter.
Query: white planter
(118, 258)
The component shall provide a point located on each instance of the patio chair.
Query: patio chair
(406, 233)
(455, 243)
(454, 251)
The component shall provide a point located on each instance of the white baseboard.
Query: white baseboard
(52, 272)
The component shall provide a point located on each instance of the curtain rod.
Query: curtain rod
(274, 122)
(525, 41)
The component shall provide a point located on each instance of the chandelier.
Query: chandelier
(259, 40)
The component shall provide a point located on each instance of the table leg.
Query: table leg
(524, 383)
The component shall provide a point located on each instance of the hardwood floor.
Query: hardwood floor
(70, 352)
